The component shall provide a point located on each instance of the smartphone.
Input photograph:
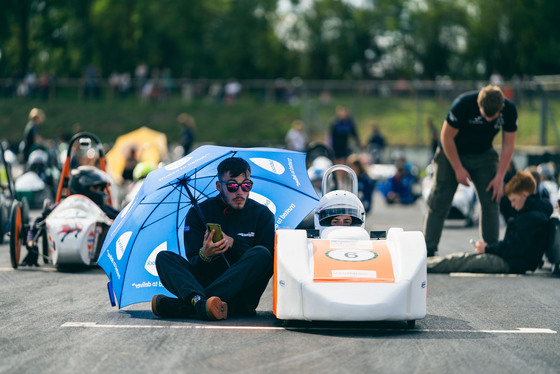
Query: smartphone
(217, 233)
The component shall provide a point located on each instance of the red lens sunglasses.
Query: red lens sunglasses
(234, 186)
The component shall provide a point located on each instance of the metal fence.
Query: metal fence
(268, 90)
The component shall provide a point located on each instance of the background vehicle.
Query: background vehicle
(73, 229)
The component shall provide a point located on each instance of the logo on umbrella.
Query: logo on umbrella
(151, 261)
(264, 201)
(270, 165)
(177, 164)
(122, 242)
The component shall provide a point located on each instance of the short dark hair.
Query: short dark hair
(235, 166)
(491, 100)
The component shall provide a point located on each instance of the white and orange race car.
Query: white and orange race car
(344, 273)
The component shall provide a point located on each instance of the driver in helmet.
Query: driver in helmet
(92, 183)
(339, 208)
(38, 162)
(84, 180)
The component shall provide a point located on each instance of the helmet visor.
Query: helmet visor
(325, 215)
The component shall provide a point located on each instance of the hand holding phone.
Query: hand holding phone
(217, 231)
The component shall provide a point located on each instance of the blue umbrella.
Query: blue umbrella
(155, 219)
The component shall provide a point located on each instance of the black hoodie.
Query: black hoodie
(526, 236)
(251, 226)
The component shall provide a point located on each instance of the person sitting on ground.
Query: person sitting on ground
(226, 277)
(85, 180)
(399, 187)
(524, 242)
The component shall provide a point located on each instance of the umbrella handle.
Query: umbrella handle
(111, 293)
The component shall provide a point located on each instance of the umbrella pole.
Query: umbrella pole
(194, 203)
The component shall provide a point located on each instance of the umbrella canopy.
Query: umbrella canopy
(154, 221)
(150, 146)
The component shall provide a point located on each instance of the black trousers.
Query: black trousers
(241, 286)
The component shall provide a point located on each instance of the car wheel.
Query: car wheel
(15, 233)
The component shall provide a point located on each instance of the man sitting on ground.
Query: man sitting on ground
(226, 277)
(525, 239)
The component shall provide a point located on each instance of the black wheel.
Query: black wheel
(411, 323)
(45, 247)
(15, 233)
(24, 211)
(3, 222)
(44, 236)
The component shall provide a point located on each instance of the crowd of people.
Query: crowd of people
(226, 275)
(149, 84)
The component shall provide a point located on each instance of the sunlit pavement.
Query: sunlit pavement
(62, 322)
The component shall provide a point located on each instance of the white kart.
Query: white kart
(75, 230)
(345, 275)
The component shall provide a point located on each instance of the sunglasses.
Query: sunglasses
(233, 186)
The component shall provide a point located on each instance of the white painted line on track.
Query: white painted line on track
(204, 327)
(26, 268)
(484, 275)
(521, 330)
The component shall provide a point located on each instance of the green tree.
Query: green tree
(14, 36)
(329, 39)
(244, 42)
(515, 37)
(434, 34)
(339, 40)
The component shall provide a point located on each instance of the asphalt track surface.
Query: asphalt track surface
(62, 322)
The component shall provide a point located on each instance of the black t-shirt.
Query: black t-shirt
(475, 133)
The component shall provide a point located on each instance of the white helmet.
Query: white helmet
(545, 171)
(318, 168)
(38, 156)
(339, 202)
